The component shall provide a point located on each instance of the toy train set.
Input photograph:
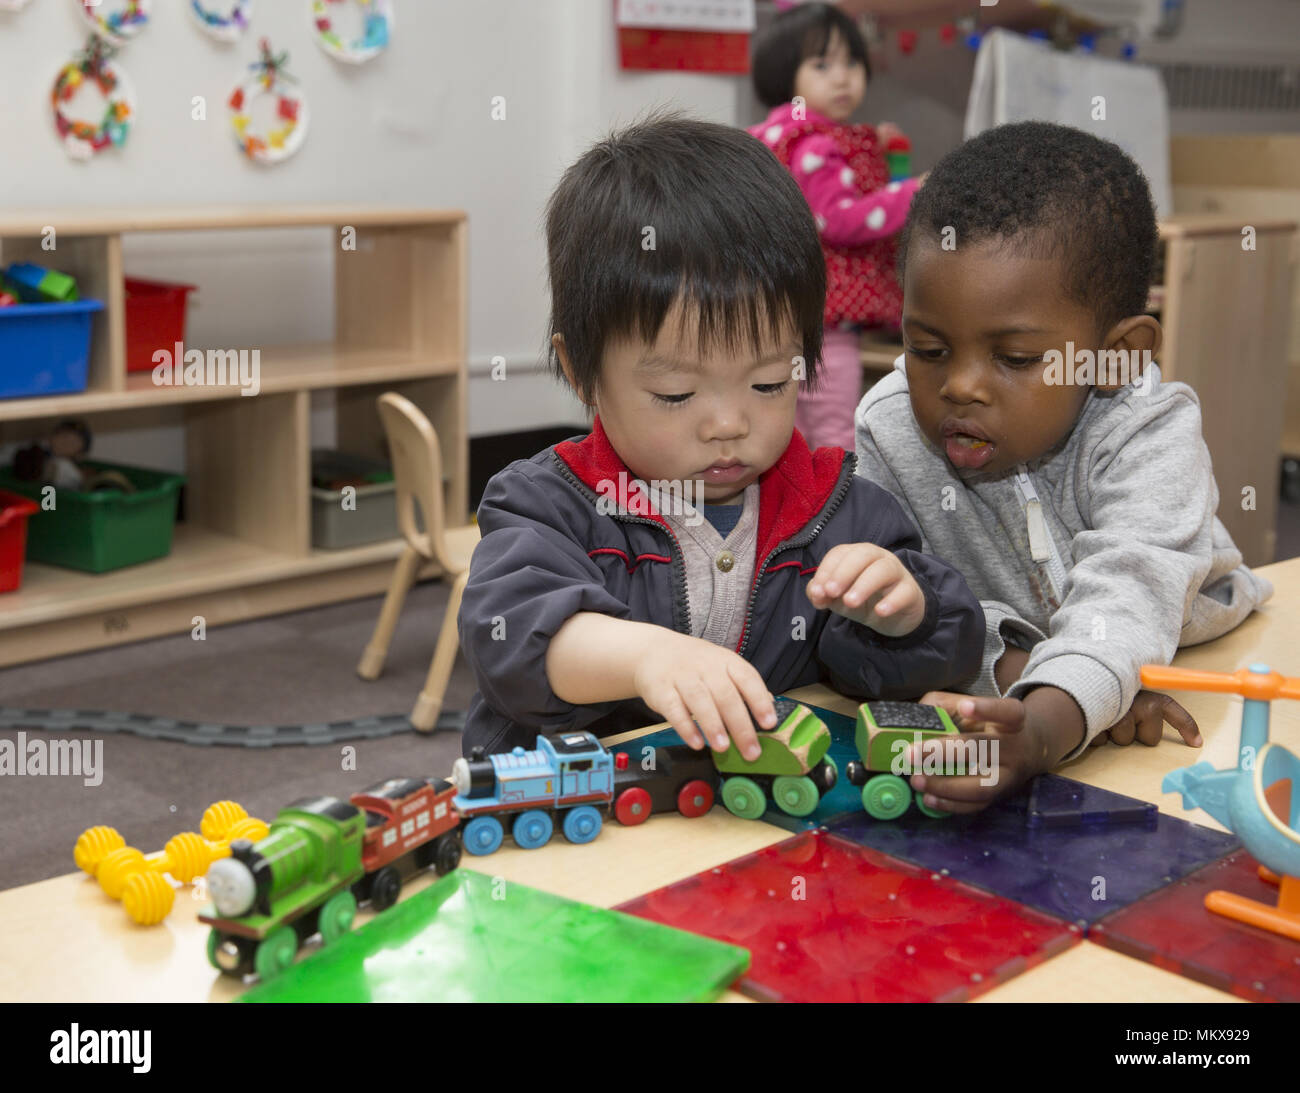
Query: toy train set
(322, 855)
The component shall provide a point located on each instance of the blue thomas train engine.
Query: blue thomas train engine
(568, 776)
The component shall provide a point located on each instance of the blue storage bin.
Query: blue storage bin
(45, 348)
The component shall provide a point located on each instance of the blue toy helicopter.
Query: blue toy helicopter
(1258, 801)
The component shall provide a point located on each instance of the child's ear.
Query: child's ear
(557, 342)
(1139, 338)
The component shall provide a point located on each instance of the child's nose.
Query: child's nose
(725, 423)
(965, 381)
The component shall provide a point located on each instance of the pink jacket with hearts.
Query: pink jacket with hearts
(842, 172)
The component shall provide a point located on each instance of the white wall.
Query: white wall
(412, 127)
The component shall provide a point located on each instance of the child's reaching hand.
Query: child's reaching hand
(1145, 721)
(868, 584)
(689, 680)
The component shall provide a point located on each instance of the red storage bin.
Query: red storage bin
(14, 511)
(155, 319)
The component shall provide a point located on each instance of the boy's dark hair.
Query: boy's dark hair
(733, 237)
(1049, 190)
(790, 39)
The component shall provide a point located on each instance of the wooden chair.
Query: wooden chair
(417, 469)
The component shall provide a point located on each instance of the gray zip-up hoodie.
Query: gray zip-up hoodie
(1101, 556)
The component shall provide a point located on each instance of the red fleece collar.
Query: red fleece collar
(790, 493)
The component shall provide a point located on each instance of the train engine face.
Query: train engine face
(269, 895)
(885, 731)
(792, 766)
(568, 777)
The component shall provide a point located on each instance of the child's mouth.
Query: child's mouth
(966, 451)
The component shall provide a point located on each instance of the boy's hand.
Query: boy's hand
(1145, 721)
(1025, 738)
(868, 584)
(687, 679)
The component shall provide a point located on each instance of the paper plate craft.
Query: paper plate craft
(118, 22)
(289, 127)
(378, 15)
(82, 139)
(225, 20)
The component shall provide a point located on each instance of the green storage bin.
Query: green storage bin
(104, 530)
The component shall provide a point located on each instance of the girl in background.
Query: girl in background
(810, 69)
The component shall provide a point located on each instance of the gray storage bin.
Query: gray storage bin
(375, 516)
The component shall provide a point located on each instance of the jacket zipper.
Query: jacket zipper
(846, 473)
(679, 561)
(1042, 547)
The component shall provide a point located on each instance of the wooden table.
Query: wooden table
(64, 940)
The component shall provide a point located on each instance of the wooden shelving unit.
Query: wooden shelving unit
(244, 549)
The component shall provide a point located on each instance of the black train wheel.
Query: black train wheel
(385, 888)
(447, 853)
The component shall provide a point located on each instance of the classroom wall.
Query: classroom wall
(413, 127)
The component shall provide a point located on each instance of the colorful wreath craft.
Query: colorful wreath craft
(374, 38)
(81, 139)
(269, 78)
(118, 27)
(225, 27)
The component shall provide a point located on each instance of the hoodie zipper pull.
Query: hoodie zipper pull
(1040, 549)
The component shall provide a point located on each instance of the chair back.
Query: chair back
(417, 472)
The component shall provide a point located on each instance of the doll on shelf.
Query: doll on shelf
(59, 464)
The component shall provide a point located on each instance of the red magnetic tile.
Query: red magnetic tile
(868, 929)
(1172, 929)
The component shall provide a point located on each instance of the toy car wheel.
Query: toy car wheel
(886, 797)
(742, 797)
(385, 888)
(826, 775)
(695, 798)
(337, 915)
(632, 807)
(275, 953)
(232, 955)
(447, 855)
(856, 773)
(483, 835)
(532, 829)
(795, 796)
(927, 810)
(582, 824)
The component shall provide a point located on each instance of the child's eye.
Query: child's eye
(772, 388)
(1019, 362)
(926, 354)
(671, 400)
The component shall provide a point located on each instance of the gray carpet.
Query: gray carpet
(299, 667)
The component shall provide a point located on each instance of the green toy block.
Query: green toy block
(795, 746)
(474, 938)
(36, 284)
(886, 728)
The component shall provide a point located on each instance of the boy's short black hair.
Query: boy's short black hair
(1051, 190)
(790, 39)
(673, 207)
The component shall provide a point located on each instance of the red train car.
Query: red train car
(410, 824)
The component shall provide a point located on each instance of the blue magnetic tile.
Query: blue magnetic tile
(1078, 873)
(1062, 802)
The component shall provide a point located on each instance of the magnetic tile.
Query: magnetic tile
(1172, 929)
(1078, 873)
(1055, 801)
(827, 920)
(474, 938)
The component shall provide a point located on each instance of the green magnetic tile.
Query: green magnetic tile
(454, 942)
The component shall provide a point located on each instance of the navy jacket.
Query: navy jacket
(548, 552)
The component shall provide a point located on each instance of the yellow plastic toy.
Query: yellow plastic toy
(136, 879)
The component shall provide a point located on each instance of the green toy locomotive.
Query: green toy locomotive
(884, 731)
(792, 768)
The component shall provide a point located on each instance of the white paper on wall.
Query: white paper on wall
(1020, 79)
(736, 16)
